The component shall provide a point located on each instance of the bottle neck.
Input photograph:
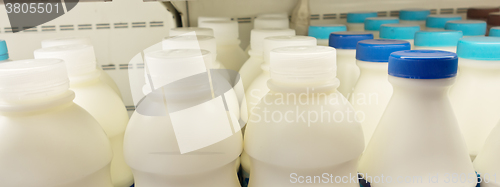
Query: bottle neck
(421, 88)
(378, 68)
(296, 87)
(346, 56)
(38, 104)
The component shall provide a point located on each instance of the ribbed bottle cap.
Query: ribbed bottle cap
(167, 66)
(257, 37)
(192, 42)
(373, 24)
(4, 52)
(438, 21)
(468, 27)
(274, 15)
(494, 19)
(65, 41)
(303, 65)
(423, 64)
(359, 17)
(322, 32)
(480, 12)
(348, 39)
(495, 31)
(378, 50)
(274, 42)
(208, 18)
(80, 59)
(479, 48)
(271, 23)
(415, 14)
(197, 30)
(223, 30)
(398, 31)
(437, 38)
(26, 80)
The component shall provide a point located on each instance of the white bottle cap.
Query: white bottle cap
(192, 42)
(65, 41)
(274, 15)
(274, 42)
(26, 80)
(80, 59)
(271, 23)
(198, 31)
(223, 30)
(257, 37)
(303, 65)
(208, 18)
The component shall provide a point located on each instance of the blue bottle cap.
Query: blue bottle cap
(423, 64)
(373, 24)
(4, 53)
(437, 38)
(323, 31)
(398, 31)
(348, 39)
(378, 50)
(414, 14)
(468, 27)
(359, 17)
(438, 21)
(495, 31)
(479, 48)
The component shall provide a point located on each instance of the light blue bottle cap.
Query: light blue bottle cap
(414, 14)
(479, 48)
(495, 31)
(4, 52)
(437, 38)
(373, 24)
(468, 27)
(322, 32)
(398, 31)
(359, 17)
(438, 21)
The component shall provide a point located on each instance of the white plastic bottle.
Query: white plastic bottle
(373, 91)
(373, 24)
(414, 16)
(97, 98)
(46, 139)
(181, 134)
(194, 42)
(322, 32)
(268, 22)
(86, 41)
(229, 52)
(251, 68)
(494, 31)
(418, 141)
(438, 40)
(475, 94)
(210, 18)
(399, 32)
(356, 20)
(4, 51)
(347, 70)
(468, 27)
(437, 22)
(197, 30)
(283, 150)
(487, 164)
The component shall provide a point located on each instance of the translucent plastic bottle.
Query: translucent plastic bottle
(181, 134)
(373, 24)
(347, 70)
(475, 94)
(373, 91)
(437, 22)
(322, 32)
(251, 68)
(486, 163)
(481, 13)
(229, 52)
(438, 40)
(414, 16)
(399, 32)
(194, 42)
(4, 51)
(46, 139)
(184, 30)
(356, 20)
(209, 18)
(284, 149)
(86, 41)
(97, 98)
(494, 31)
(468, 27)
(418, 141)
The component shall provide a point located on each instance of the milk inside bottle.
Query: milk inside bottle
(418, 141)
(356, 20)
(486, 163)
(4, 52)
(97, 98)
(372, 90)
(347, 70)
(399, 32)
(438, 40)
(414, 16)
(322, 32)
(197, 30)
(284, 150)
(373, 24)
(494, 31)
(468, 27)
(46, 139)
(437, 22)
